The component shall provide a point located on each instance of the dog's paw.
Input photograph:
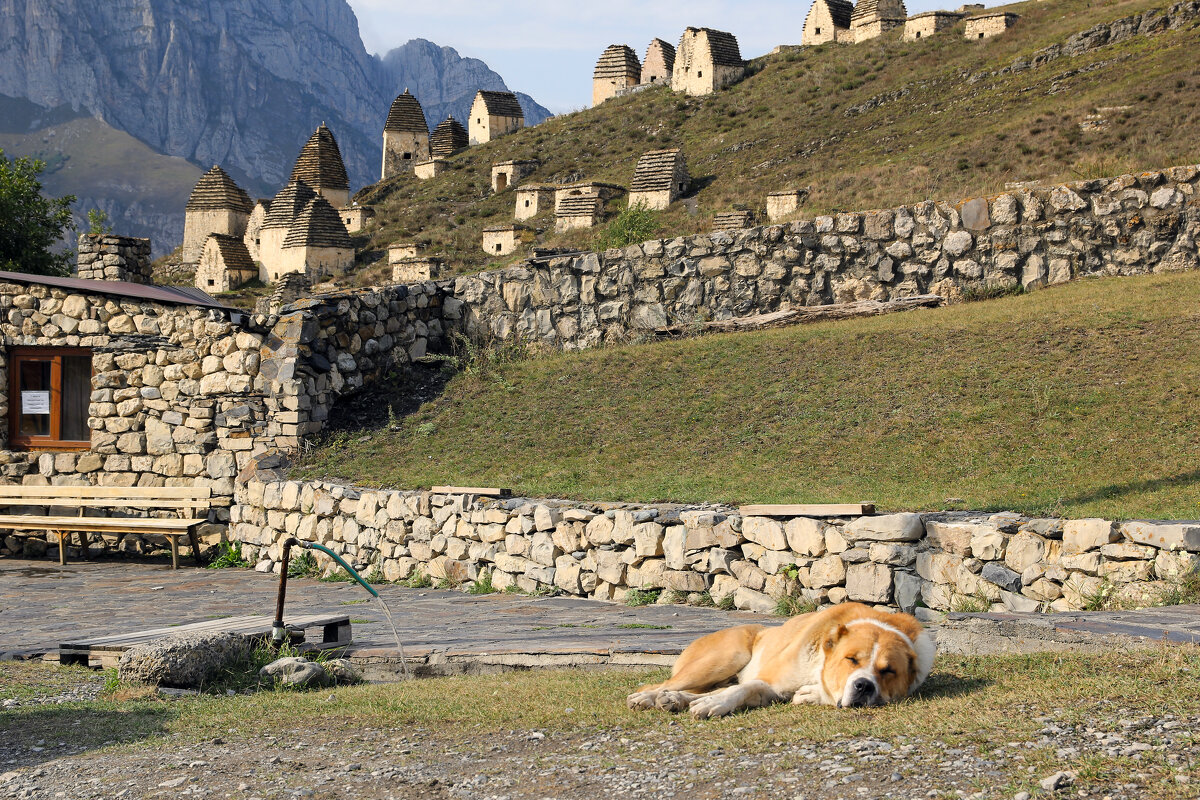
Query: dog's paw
(710, 705)
(643, 701)
(810, 694)
(674, 701)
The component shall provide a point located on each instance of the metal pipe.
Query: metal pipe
(278, 632)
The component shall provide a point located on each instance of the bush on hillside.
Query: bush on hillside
(634, 225)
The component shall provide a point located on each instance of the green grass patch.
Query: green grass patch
(635, 598)
(1080, 400)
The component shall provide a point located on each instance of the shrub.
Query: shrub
(634, 225)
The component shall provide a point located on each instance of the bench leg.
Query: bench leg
(83, 545)
(62, 548)
(195, 543)
(174, 551)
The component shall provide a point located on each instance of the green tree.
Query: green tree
(31, 224)
(98, 222)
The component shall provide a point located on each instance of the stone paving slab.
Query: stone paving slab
(445, 632)
(43, 604)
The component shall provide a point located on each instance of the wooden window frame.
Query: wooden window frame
(54, 355)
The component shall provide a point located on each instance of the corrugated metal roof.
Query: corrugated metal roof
(176, 295)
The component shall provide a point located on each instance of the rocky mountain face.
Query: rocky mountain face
(241, 83)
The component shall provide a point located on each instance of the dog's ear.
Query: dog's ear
(833, 636)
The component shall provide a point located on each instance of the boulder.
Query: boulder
(184, 661)
(298, 672)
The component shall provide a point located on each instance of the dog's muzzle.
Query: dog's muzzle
(862, 692)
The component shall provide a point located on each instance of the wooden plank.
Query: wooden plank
(832, 311)
(172, 527)
(249, 625)
(99, 502)
(810, 510)
(166, 492)
(481, 492)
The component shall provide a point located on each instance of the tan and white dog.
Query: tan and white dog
(847, 655)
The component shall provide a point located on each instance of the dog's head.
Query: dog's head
(871, 662)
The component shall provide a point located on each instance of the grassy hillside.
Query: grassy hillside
(801, 120)
(1077, 400)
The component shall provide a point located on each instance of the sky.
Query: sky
(547, 48)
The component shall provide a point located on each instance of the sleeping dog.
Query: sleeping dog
(845, 656)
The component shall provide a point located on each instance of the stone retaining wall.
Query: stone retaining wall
(1027, 238)
(942, 561)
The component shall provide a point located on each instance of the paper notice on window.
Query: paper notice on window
(35, 403)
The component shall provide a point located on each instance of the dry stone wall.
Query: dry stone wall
(1029, 237)
(104, 257)
(602, 551)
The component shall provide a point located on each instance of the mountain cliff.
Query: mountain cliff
(241, 83)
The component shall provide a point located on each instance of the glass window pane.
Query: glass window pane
(76, 391)
(34, 415)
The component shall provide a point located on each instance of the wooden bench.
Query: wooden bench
(189, 503)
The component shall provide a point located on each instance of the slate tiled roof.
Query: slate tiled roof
(656, 171)
(288, 204)
(216, 191)
(320, 162)
(586, 206)
(501, 104)
(406, 116)
(840, 10)
(723, 48)
(318, 226)
(733, 220)
(667, 52)
(234, 253)
(618, 61)
(448, 138)
(871, 10)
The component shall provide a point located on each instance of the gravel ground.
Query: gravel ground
(1158, 757)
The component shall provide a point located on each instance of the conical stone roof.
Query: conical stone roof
(318, 226)
(288, 204)
(618, 61)
(840, 11)
(406, 116)
(868, 11)
(234, 253)
(216, 191)
(320, 162)
(448, 138)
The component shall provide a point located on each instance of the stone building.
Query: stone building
(578, 212)
(320, 166)
(405, 136)
(604, 192)
(503, 240)
(507, 174)
(706, 61)
(618, 69)
(922, 26)
(448, 138)
(317, 243)
(534, 199)
(659, 63)
(784, 203)
(414, 270)
(659, 180)
(494, 114)
(224, 265)
(283, 211)
(428, 170)
(401, 251)
(873, 18)
(217, 205)
(986, 26)
(827, 21)
(105, 257)
(356, 217)
(253, 237)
